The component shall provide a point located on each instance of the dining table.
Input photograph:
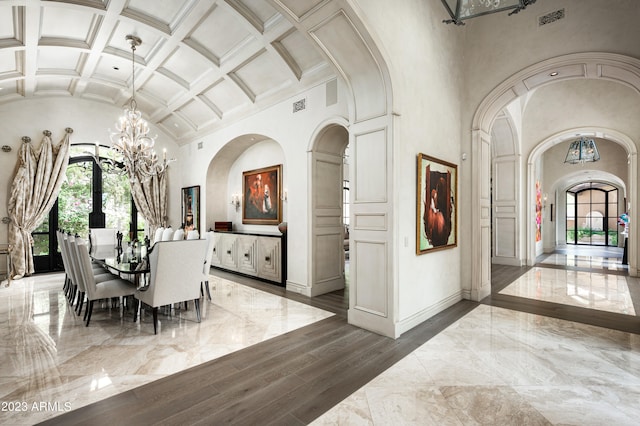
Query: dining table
(125, 265)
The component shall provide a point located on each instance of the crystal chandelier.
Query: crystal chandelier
(132, 139)
(466, 9)
(581, 151)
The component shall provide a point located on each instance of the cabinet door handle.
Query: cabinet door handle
(267, 258)
(214, 249)
(228, 251)
(246, 255)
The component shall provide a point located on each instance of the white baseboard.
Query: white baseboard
(298, 288)
(420, 317)
(509, 261)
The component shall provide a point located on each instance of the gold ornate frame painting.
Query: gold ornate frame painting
(262, 201)
(191, 208)
(436, 205)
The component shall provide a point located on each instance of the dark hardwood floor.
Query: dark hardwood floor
(290, 379)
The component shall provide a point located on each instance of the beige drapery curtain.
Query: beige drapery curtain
(150, 196)
(35, 189)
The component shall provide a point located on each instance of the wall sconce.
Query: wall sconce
(6, 148)
(235, 201)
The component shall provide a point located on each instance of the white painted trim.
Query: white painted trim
(298, 288)
(419, 317)
(499, 98)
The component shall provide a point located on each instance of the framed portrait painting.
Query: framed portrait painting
(262, 201)
(191, 208)
(436, 205)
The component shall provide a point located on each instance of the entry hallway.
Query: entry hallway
(520, 357)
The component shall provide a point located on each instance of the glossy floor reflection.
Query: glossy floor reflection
(594, 290)
(592, 257)
(496, 366)
(52, 363)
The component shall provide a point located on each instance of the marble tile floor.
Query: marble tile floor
(593, 290)
(52, 363)
(592, 257)
(496, 366)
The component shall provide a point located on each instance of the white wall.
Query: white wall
(289, 137)
(425, 60)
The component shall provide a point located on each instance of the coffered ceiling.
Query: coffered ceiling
(202, 63)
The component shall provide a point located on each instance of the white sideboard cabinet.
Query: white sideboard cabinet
(261, 256)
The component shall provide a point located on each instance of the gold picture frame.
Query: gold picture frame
(261, 199)
(436, 205)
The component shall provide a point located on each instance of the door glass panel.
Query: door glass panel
(40, 244)
(75, 199)
(142, 224)
(597, 212)
(116, 202)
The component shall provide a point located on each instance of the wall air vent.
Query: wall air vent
(299, 105)
(551, 17)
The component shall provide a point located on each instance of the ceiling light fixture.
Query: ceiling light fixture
(461, 10)
(553, 74)
(132, 138)
(581, 151)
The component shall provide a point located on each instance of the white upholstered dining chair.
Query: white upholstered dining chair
(104, 237)
(175, 275)
(167, 234)
(158, 235)
(98, 287)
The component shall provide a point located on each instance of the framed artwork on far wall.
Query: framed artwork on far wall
(436, 205)
(191, 208)
(261, 199)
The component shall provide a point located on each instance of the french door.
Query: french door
(592, 214)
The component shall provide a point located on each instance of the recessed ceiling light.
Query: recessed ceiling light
(553, 74)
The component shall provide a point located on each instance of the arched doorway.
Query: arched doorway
(543, 73)
(326, 207)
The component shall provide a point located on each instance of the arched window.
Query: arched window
(592, 214)
(89, 198)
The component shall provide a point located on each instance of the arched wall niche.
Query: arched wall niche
(217, 188)
(591, 65)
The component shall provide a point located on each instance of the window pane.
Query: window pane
(142, 224)
(44, 226)
(75, 201)
(116, 202)
(584, 197)
(40, 244)
(598, 196)
(571, 198)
